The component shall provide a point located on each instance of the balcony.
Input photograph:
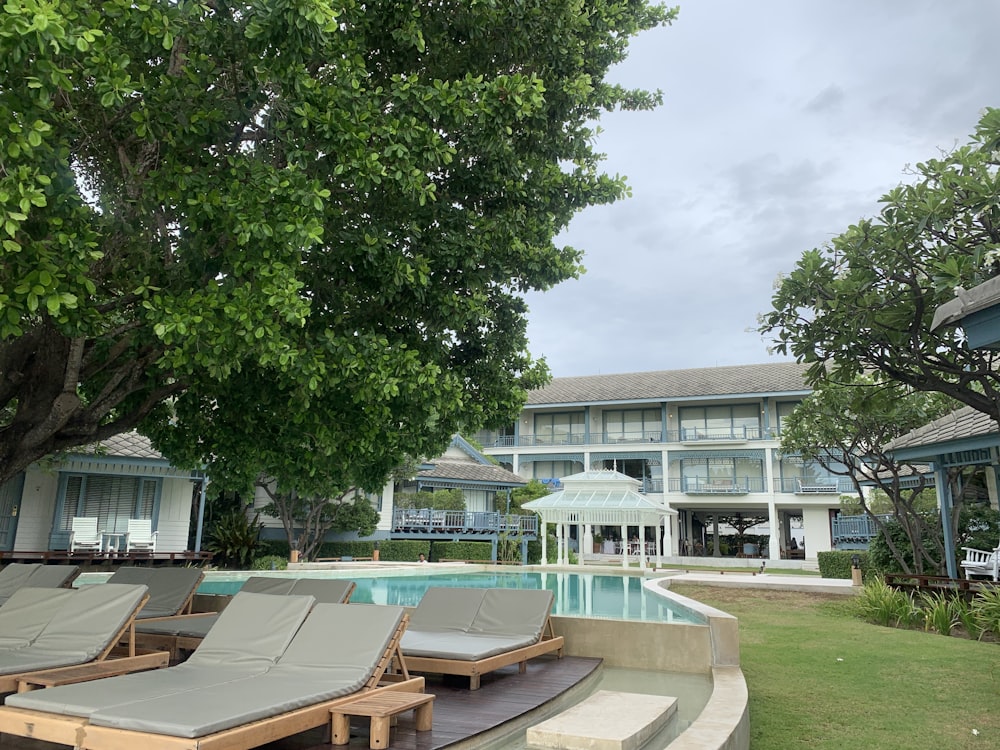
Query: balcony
(705, 486)
(736, 434)
(428, 521)
(814, 485)
(697, 435)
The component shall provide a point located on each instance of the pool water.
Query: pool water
(576, 594)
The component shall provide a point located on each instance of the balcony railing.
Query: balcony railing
(704, 486)
(854, 532)
(743, 432)
(686, 435)
(426, 520)
(814, 485)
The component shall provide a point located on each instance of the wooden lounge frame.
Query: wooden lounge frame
(125, 659)
(390, 674)
(548, 643)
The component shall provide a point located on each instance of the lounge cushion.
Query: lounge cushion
(169, 588)
(253, 631)
(84, 626)
(334, 653)
(26, 613)
(448, 624)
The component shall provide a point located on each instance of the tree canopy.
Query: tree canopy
(864, 302)
(290, 237)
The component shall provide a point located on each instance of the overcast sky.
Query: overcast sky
(783, 123)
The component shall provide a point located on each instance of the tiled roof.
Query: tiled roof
(126, 445)
(776, 377)
(960, 424)
(467, 471)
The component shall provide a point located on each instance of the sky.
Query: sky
(783, 123)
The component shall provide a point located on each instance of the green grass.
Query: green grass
(820, 678)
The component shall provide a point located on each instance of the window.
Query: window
(784, 410)
(113, 500)
(741, 421)
(559, 428)
(553, 469)
(632, 425)
(722, 473)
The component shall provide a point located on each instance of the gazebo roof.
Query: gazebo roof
(599, 497)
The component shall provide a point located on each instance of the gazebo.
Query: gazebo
(601, 498)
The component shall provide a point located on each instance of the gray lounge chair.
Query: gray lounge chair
(26, 613)
(184, 633)
(471, 632)
(339, 653)
(16, 575)
(171, 590)
(84, 628)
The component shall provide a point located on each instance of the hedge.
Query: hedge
(837, 563)
(461, 551)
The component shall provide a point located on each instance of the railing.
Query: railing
(426, 520)
(641, 436)
(814, 485)
(705, 486)
(745, 432)
(854, 532)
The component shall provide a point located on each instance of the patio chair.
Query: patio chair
(15, 576)
(84, 535)
(85, 627)
(185, 632)
(171, 590)
(979, 562)
(139, 536)
(470, 632)
(338, 654)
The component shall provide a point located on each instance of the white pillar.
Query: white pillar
(774, 524)
(545, 541)
(642, 546)
(624, 531)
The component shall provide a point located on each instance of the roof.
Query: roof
(469, 471)
(668, 385)
(966, 302)
(601, 497)
(962, 424)
(125, 445)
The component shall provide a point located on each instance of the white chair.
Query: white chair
(979, 562)
(140, 536)
(84, 535)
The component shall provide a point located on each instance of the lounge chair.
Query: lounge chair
(979, 562)
(233, 692)
(471, 632)
(84, 628)
(171, 590)
(17, 575)
(185, 632)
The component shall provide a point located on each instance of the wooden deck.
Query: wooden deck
(100, 558)
(459, 713)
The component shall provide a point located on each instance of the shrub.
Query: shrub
(233, 540)
(270, 562)
(986, 606)
(461, 551)
(883, 605)
(940, 612)
(837, 563)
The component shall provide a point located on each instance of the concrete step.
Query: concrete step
(607, 720)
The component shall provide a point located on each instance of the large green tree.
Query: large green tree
(864, 302)
(301, 224)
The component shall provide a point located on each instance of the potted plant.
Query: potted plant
(598, 543)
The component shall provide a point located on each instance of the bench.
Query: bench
(381, 709)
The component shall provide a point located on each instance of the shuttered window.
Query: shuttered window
(112, 500)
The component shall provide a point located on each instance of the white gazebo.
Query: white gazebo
(601, 498)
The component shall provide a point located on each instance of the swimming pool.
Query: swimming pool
(576, 594)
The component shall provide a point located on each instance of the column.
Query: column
(624, 533)
(545, 541)
(774, 523)
(642, 546)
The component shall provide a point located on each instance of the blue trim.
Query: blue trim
(933, 451)
(460, 442)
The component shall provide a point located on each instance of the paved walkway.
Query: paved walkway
(737, 578)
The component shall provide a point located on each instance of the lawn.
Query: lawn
(820, 678)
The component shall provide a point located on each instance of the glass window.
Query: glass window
(632, 425)
(559, 428)
(553, 469)
(113, 500)
(783, 410)
(720, 422)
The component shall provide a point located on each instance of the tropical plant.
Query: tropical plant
(940, 611)
(879, 603)
(233, 540)
(986, 606)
